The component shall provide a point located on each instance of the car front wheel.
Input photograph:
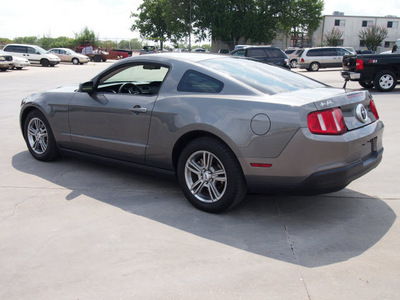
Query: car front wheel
(44, 63)
(39, 137)
(75, 61)
(210, 175)
(366, 84)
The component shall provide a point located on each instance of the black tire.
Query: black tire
(366, 84)
(44, 63)
(39, 137)
(385, 81)
(213, 186)
(314, 67)
(75, 61)
(19, 68)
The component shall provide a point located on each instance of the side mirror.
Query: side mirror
(87, 87)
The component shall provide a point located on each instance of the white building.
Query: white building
(351, 27)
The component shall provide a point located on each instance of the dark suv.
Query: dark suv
(266, 54)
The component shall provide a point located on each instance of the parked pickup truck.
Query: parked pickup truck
(381, 71)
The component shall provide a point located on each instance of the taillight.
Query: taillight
(373, 109)
(328, 121)
(302, 60)
(359, 64)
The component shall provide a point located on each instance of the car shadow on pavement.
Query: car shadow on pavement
(310, 231)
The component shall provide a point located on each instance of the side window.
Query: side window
(329, 52)
(138, 79)
(341, 52)
(275, 53)
(240, 53)
(31, 50)
(197, 82)
(18, 49)
(314, 52)
(256, 53)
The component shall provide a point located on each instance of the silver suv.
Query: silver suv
(34, 54)
(313, 59)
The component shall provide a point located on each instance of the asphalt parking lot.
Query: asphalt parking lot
(73, 229)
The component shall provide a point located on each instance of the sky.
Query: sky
(110, 19)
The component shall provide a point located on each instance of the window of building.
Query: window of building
(362, 43)
(392, 24)
(387, 44)
(339, 22)
(366, 23)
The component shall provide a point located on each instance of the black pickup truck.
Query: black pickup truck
(381, 71)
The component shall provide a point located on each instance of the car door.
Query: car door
(331, 58)
(114, 120)
(33, 56)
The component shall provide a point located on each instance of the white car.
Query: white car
(34, 54)
(20, 63)
(68, 55)
(17, 62)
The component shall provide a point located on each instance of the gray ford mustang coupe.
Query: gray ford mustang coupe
(224, 125)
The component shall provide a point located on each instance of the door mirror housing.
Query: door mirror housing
(87, 87)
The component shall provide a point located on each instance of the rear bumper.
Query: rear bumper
(353, 76)
(325, 181)
(317, 163)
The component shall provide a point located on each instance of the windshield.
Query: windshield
(40, 50)
(266, 78)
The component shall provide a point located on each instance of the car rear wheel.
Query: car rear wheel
(293, 63)
(314, 67)
(385, 81)
(210, 175)
(39, 137)
(75, 61)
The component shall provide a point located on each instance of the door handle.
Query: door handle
(137, 109)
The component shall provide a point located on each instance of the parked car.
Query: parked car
(6, 61)
(223, 124)
(381, 71)
(68, 55)
(313, 59)
(266, 54)
(293, 55)
(200, 49)
(148, 50)
(20, 63)
(34, 54)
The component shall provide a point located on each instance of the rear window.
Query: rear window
(196, 82)
(265, 78)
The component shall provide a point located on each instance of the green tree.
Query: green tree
(31, 40)
(64, 42)
(4, 41)
(86, 37)
(151, 22)
(334, 37)
(373, 36)
(46, 42)
(301, 18)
